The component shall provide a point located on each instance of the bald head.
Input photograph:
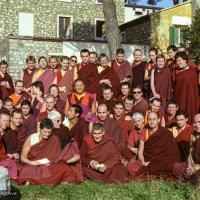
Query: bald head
(153, 120)
(196, 123)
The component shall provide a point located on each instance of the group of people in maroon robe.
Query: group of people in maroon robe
(111, 121)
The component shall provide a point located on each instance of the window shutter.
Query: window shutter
(171, 35)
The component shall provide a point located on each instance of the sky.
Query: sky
(163, 3)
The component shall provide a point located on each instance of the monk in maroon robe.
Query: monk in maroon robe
(27, 73)
(19, 95)
(101, 158)
(157, 151)
(140, 104)
(64, 78)
(47, 79)
(78, 127)
(182, 133)
(20, 130)
(101, 74)
(125, 121)
(29, 119)
(6, 161)
(161, 81)
(186, 86)
(190, 170)
(60, 104)
(111, 126)
(138, 69)
(121, 66)
(135, 135)
(6, 83)
(44, 161)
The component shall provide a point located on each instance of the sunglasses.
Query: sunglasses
(137, 92)
(74, 61)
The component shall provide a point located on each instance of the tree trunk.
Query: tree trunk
(112, 28)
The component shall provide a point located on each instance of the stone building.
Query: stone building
(159, 29)
(40, 27)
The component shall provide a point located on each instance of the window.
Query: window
(99, 1)
(65, 27)
(123, 36)
(138, 13)
(25, 24)
(100, 30)
(175, 35)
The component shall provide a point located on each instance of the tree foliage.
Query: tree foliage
(191, 37)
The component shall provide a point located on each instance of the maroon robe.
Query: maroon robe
(113, 129)
(47, 79)
(67, 81)
(6, 92)
(162, 152)
(183, 141)
(22, 134)
(63, 134)
(10, 141)
(186, 92)
(79, 130)
(88, 75)
(142, 107)
(27, 78)
(53, 173)
(60, 105)
(169, 121)
(108, 73)
(31, 124)
(123, 70)
(104, 152)
(163, 84)
(138, 74)
(179, 169)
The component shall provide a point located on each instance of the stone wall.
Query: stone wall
(137, 31)
(45, 13)
(19, 49)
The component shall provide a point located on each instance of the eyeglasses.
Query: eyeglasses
(138, 92)
(74, 61)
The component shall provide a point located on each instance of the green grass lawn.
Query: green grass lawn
(149, 190)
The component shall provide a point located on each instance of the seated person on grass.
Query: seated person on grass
(101, 158)
(43, 161)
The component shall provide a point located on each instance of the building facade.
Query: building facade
(30, 27)
(159, 29)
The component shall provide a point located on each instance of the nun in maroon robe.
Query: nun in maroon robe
(104, 152)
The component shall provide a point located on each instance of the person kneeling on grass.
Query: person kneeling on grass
(44, 162)
(101, 159)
